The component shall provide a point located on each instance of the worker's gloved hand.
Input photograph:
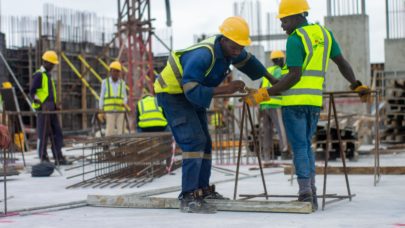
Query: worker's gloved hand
(101, 117)
(5, 138)
(255, 97)
(363, 90)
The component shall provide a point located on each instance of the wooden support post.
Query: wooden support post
(58, 47)
(84, 96)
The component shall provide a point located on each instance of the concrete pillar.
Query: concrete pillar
(352, 34)
(395, 54)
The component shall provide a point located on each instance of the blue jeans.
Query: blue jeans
(190, 130)
(300, 124)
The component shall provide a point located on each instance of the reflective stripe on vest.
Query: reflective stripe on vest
(43, 92)
(317, 42)
(169, 80)
(113, 102)
(150, 114)
(274, 100)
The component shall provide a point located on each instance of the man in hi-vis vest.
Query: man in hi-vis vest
(309, 48)
(150, 116)
(113, 98)
(270, 111)
(185, 89)
(43, 92)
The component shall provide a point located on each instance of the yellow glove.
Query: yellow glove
(257, 97)
(363, 90)
(101, 117)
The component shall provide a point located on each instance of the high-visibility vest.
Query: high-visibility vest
(150, 114)
(317, 43)
(112, 101)
(274, 100)
(169, 80)
(43, 92)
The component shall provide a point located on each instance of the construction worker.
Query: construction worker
(270, 111)
(309, 47)
(185, 88)
(150, 117)
(113, 98)
(43, 93)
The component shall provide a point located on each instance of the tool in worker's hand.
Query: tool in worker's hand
(363, 90)
(255, 97)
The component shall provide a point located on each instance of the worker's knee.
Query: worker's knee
(188, 134)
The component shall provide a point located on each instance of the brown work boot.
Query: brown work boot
(193, 202)
(210, 193)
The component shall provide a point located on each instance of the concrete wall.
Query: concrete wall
(395, 54)
(352, 34)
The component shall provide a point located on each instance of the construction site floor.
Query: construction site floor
(374, 206)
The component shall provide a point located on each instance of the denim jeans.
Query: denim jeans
(300, 124)
(190, 130)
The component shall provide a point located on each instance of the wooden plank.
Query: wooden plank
(222, 205)
(366, 170)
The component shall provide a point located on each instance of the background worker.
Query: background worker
(43, 93)
(113, 98)
(185, 89)
(270, 111)
(150, 117)
(309, 47)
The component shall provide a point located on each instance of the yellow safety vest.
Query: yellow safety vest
(274, 100)
(113, 102)
(43, 92)
(150, 114)
(317, 44)
(169, 80)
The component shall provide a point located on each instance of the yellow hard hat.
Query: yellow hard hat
(116, 65)
(7, 85)
(236, 29)
(292, 7)
(50, 56)
(277, 54)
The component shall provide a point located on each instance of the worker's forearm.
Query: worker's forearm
(271, 78)
(347, 72)
(286, 82)
(221, 90)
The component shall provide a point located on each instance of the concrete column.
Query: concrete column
(352, 34)
(395, 54)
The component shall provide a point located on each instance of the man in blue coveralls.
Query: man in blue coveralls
(185, 89)
(309, 48)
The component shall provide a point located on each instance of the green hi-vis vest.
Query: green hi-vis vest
(43, 92)
(274, 100)
(113, 102)
(150, 114)
(169, 80)
(317, 43)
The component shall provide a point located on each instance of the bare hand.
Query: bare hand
(236, 86)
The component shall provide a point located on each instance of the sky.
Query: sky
(194, 17)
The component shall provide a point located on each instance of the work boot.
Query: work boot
(305, 191)
(314, 196)
(210, 193)
(193, 202)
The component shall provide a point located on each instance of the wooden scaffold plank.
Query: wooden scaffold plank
(222, 205)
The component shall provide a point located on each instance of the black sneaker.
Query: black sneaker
(193, 202)
(210, 193)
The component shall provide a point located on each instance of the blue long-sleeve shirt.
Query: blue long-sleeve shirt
(196, 63)
(37, 84)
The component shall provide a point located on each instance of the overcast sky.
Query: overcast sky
(192, 17)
